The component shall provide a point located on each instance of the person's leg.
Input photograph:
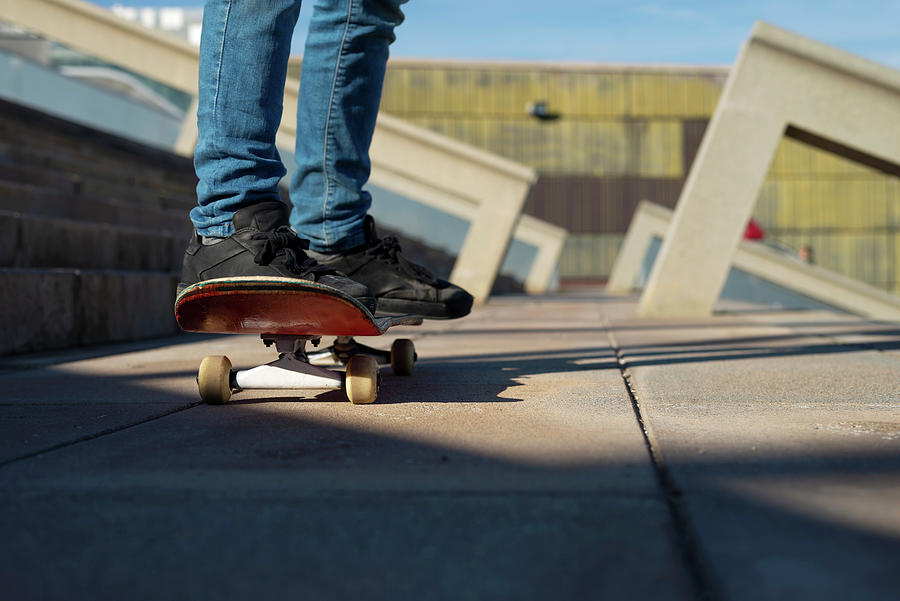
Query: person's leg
(340, 90)
(244, 50)
(242, 227)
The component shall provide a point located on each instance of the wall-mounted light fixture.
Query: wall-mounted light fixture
(539, 110)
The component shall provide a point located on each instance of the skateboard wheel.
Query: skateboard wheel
(214, 379)
(362, 379)
(403, 357)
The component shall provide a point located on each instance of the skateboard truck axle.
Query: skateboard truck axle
(288, 371)
(345, 348)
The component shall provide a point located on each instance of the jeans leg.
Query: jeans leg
(340, 90)
(244, 49)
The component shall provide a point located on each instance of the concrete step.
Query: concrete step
(94, 227)
(99, 185)
(44, 309)
(25, 128)
(43, 242)
(84, 144)
(41, 151)
(32, 199)
(93, 176)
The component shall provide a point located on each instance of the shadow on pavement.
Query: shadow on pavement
(267, 498)
(238, 501)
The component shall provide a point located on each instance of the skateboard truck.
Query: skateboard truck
(401, 357)
(293, 370)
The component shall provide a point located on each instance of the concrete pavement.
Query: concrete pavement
(544, 448)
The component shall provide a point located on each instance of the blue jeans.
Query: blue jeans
(244, 52)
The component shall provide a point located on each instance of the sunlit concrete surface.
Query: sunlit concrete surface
(784, 433)
(544, 448)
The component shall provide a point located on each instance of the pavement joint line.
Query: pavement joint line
(702, 580)
(95, 435)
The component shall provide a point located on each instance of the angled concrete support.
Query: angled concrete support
(487, 190)
(496, 189)
(547, 238)
(187, 135)
(781, 84)
(549, 241)
(654, 221)
(649, 221)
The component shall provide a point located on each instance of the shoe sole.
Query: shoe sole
(369, 302)
(393, 306)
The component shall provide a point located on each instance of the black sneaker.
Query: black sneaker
(263, 244)
(401, 287)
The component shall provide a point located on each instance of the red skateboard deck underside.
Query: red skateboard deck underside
(245, 305)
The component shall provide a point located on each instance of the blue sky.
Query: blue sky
(692, 32)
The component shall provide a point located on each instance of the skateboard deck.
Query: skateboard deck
(288, 313)
(273, 305)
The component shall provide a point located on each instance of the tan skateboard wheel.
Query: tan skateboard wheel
(362, 379)
(214, 379)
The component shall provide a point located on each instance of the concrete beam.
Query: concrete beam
(781, 84)
(654, 221)
(187, 135)
(546, 237)
(497, 188)
(649, 221)
(549, 240)
(96, 31)
(487, 190)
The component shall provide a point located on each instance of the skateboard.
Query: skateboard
(287, 313)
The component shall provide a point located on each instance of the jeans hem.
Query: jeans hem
(345, 244)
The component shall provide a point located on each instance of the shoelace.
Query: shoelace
(284, 241)
(388, 249)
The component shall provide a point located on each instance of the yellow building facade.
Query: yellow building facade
(604, 137)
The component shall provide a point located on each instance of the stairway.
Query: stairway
(93, 228)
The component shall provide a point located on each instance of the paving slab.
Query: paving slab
(765, 465)
(781, 435)
(510, 465)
